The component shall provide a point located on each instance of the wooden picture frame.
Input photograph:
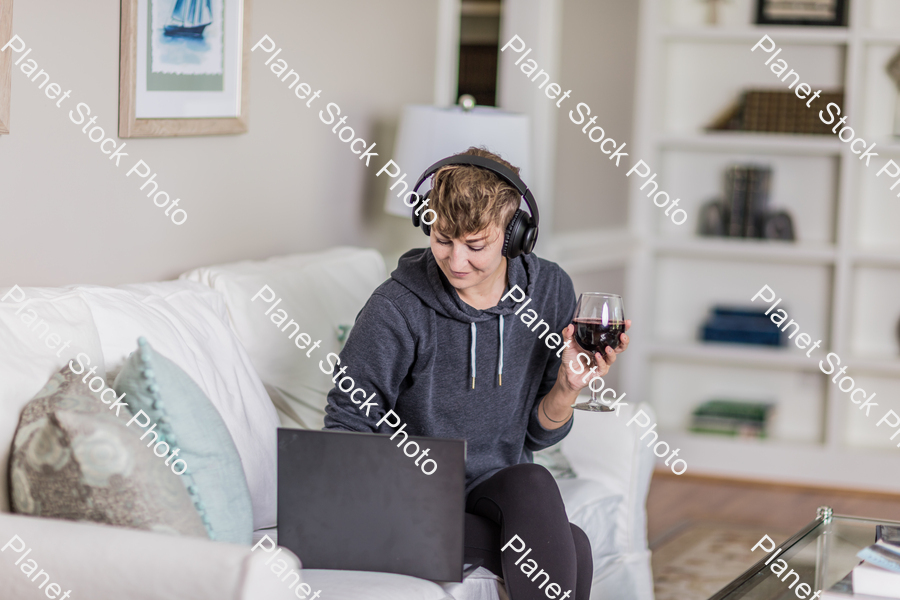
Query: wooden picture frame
(131, 125)
(6, 7)
(776, 12)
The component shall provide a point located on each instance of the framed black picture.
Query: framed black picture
(802, 12)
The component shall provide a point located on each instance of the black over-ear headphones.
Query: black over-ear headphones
(522, 231)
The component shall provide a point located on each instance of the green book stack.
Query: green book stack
(733, 418)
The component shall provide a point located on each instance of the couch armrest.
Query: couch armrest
(99, 562)
(601, 447)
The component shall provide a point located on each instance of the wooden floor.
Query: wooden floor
(676, 500)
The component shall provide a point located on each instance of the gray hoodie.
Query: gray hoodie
(417, 345)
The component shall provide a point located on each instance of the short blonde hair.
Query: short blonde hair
(468, 199)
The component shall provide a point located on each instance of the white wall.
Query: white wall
(68, 216)
(537, 23)
(598, 61)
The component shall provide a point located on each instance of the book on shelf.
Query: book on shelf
(741, 326)
(885, 552)
(757, 201)
(744, 212)
(866, 583)
(882, 554)
(770, 111)
(875, 581)
(878, 576)
(889, 534)
(734, 418)
(736, 198)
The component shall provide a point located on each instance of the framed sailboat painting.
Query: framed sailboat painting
(183, 67)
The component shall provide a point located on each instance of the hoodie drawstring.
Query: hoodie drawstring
(474, 332)
(500, 368)
(472, 353)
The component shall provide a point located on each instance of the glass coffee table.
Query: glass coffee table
(823, 553)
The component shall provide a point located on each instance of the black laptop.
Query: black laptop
(355, 501)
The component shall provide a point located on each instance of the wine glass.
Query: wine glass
(599, 321)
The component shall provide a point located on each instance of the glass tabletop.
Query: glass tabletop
(823, 553)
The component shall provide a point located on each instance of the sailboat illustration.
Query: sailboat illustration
(189, 18)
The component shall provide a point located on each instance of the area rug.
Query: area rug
(702, 558)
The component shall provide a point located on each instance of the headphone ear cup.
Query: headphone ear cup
(417, 219)
(530, 236)
(425, 226)
(512, 241)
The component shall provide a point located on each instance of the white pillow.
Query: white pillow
(607, 450)
(595, 510)
(27, 362)
(480, 585)
(187, 323)
(323, 292)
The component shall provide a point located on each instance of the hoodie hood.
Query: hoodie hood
(419, 272)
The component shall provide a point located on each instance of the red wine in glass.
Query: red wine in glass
(599, 322)
(594, 335)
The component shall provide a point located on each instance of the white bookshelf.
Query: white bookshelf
(840, 280)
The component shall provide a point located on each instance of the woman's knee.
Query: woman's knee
(532, 476)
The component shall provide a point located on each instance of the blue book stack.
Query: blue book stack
(741, 326)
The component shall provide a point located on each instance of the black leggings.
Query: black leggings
(524, 500)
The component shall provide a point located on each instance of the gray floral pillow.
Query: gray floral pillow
(73, 458)
(556, 462)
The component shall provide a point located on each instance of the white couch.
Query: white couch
(208, 324)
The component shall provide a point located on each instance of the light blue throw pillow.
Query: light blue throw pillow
(186, 419)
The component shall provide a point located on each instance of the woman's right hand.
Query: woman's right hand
(570, 377)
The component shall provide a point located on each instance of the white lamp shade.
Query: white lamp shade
(428, 133)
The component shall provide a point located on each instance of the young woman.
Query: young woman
(441, 348)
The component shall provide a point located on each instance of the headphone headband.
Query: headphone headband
(502, 171)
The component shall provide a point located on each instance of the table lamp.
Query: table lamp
(428, 133)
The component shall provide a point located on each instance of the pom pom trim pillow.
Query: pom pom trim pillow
(169, 405)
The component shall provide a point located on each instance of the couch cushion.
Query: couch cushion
(98, 562)
(188, 421)
(353, 585)
(188, 323)
(323, 292)
(26, 358)
(73, 458)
